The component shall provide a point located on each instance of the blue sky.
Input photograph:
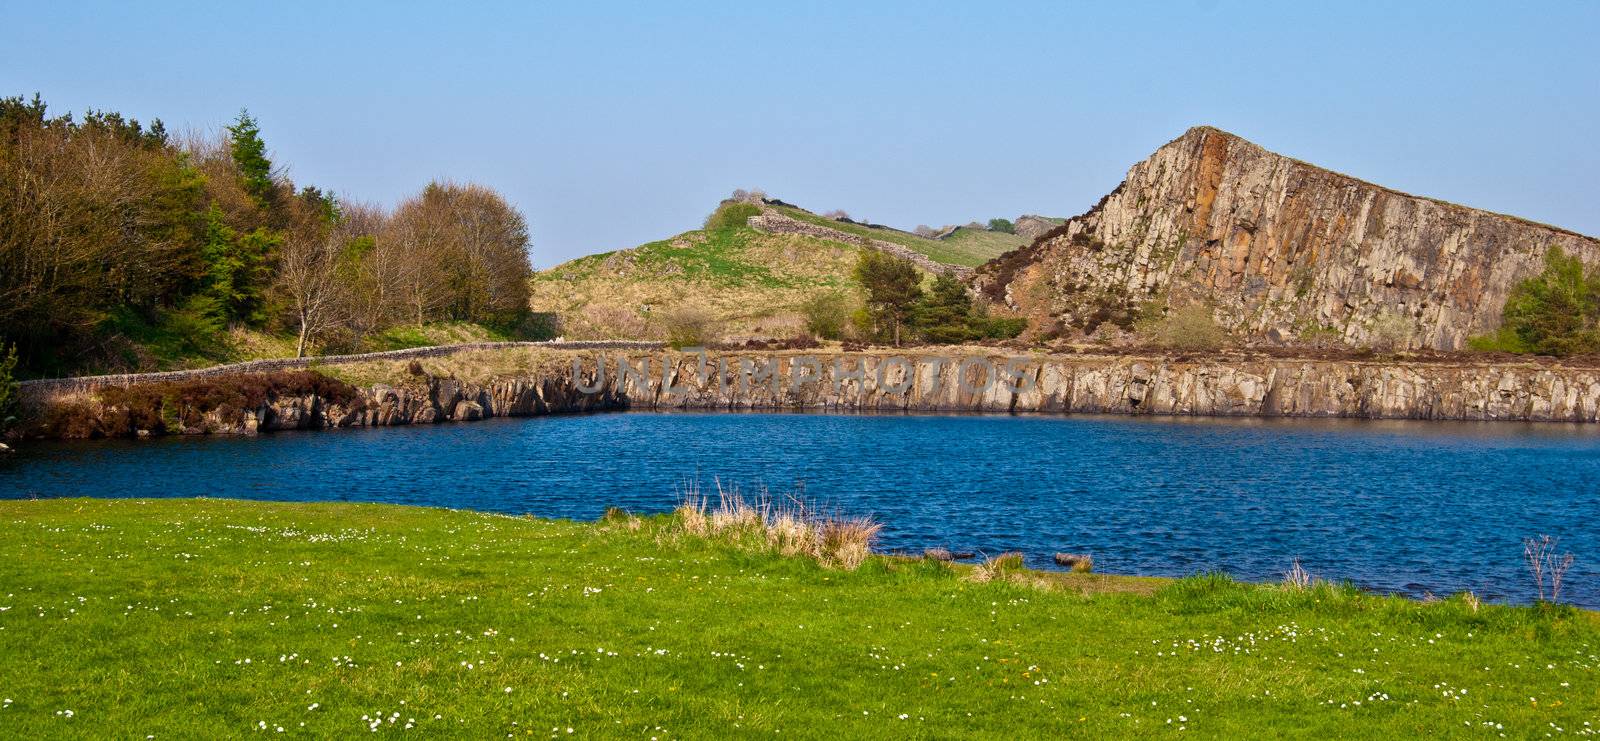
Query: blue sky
(613, 124)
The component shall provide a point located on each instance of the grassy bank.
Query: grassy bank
(185, 618)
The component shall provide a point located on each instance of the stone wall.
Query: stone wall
(89, 383)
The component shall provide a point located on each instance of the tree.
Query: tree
(467, 255)
(1002, 225)
(238, 268)
(249, 154)
(1556, 312)
(310, 271)
(893, 287)
(944, 314)
(8, 387)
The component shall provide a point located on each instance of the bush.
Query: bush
(998, 327)
(1188, 328)
(1002, 225)
(1553, 313)
(731, 216)
(826, 314)
(688, 326)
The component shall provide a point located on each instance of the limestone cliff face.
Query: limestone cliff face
(1237, 385)
(1282, 249)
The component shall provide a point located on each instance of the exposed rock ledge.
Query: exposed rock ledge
(882, 381)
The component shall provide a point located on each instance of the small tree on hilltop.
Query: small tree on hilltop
(893, 289)
(1002, 225)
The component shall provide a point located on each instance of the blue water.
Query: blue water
(1395, 507)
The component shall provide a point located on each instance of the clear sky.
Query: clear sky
(609, 125)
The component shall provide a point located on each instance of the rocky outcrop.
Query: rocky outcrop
(772, 222)
(1280, 249)
(1032, 227)
(1237, 385)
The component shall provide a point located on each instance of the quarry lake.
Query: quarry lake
(1412, 508)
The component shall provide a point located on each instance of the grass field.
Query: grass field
(211, 618)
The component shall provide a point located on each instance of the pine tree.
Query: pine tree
(250, 156)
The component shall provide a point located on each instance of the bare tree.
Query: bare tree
(465, 252)
(308, 274)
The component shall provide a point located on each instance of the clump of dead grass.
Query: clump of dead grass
(790, 527)
(1004, 567)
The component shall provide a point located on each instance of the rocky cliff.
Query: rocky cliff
(1280, 250)
(1222, 385)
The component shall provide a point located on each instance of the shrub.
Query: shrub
(826, 314)
(925, 231)
(731, 216)
(1553, 313)
(1390, 331)
(1002, 225)
(1188, 328)
(837, 215)
(688, 326)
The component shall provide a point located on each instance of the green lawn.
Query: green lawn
(210, 618)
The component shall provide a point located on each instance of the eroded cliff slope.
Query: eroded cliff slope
(1281, 250)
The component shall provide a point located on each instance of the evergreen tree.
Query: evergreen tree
(893, 289)
(943, 315)
(238, 267)
(1558, 311)
(250, 156)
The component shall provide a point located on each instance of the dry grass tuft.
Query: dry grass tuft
(1004, 567)
(1297, 577)
(789, 528)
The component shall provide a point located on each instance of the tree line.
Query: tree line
(901, 304)
(116, 237)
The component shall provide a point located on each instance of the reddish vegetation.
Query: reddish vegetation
(120, 411)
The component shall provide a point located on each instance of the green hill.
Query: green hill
(751, 283)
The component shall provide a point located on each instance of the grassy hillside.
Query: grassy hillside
(206, 618)
(753, 283)
(983, 245)
(970, 249)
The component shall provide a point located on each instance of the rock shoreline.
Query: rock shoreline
(922, 382)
